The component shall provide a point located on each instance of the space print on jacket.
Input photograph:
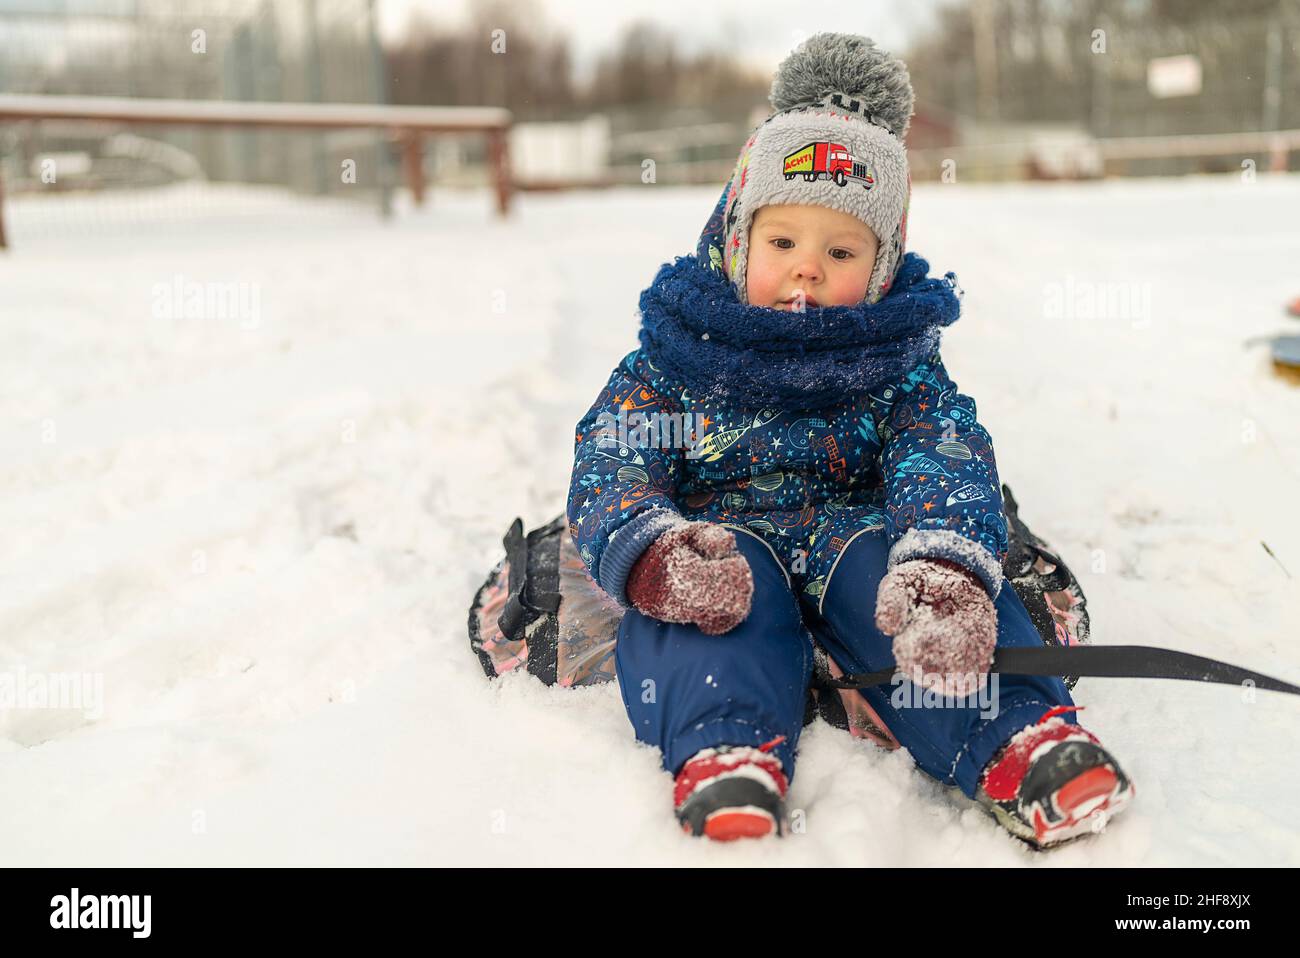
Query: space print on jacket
(910, 456)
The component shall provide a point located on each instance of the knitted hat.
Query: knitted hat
(836, 140)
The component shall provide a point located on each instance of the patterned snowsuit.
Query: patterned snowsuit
(819, 501)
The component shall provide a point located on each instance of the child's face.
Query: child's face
(823, 254)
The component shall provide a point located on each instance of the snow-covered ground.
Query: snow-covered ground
(255, 533)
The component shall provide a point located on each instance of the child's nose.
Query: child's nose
(808, 270)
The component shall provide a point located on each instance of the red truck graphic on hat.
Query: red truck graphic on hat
(826, 160)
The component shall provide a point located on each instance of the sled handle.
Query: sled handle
(520, 604)
(1108, 661)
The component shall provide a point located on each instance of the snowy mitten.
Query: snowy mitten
(693, 572)
(944, 625)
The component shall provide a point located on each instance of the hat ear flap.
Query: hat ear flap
(889, 257)
(708, 249)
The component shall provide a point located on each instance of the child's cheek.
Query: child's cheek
(758, 280)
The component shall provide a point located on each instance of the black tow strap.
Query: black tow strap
(1103, 661)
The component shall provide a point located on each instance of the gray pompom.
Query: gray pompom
(845, 63)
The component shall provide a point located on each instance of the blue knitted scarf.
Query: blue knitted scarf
(695, 330)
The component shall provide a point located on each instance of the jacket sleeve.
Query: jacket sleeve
(627, 463)
(943, 497)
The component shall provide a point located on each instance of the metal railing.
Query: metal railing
(409, 125)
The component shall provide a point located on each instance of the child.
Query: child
(786, 454)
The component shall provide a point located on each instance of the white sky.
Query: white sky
(763, 31)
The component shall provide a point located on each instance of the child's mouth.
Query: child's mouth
(808, 301)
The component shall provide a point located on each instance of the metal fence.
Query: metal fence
(1098, 70)
(248, 50)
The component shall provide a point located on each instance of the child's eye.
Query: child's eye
(848, 253)
(782, 239)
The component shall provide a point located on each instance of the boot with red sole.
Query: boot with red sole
(1053, 782)
(732, 791)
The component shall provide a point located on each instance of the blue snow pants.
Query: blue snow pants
(685, 690)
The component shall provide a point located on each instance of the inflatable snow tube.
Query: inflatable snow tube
(540, 610)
